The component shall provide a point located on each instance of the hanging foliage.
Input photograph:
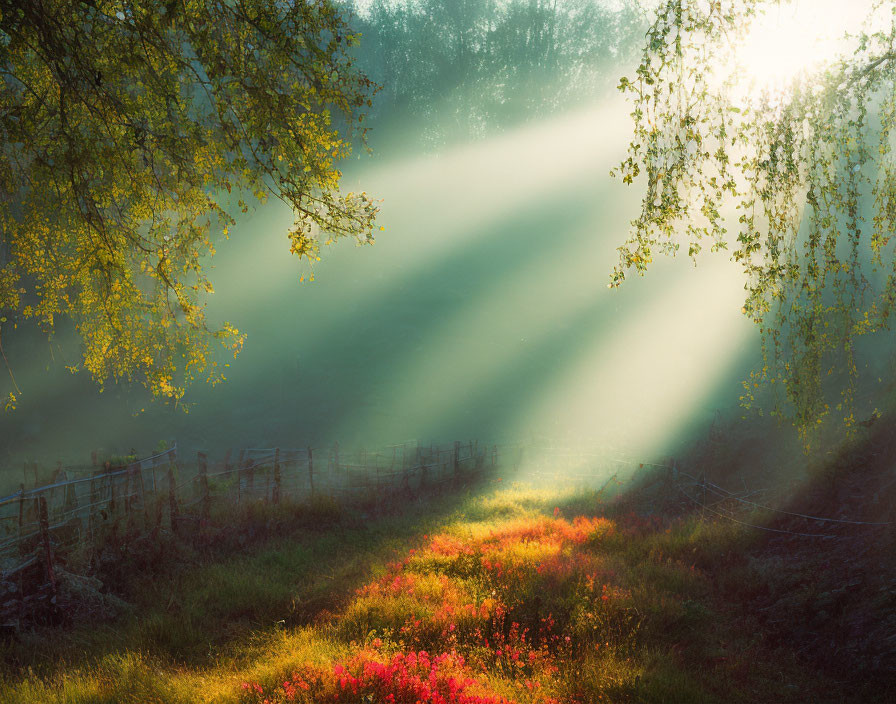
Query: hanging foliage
(130, 135)
(798, 184)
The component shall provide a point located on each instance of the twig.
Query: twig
(8, 367)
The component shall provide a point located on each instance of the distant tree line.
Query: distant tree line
(462, 68)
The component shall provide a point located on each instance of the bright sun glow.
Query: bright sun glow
(800, 36)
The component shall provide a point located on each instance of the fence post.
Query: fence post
(45, 539)
(110, 480)
(250, 477)
(267, 484)
(139, 469)
(226, 468)
(311, 471)
(159, 504)
(365, 463)
(239, 481)
(334, 476)
(172, 500)
(227, 459)
(275, 492)
(21, 513)
(456, 462)
(91, 502)
(152, 476)
(378, 498)
(130, 492)
(202, 461)
(70, 502)
(418, 466)
(126, 494)
(703, 505)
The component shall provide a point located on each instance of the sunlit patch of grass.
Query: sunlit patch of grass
(514, 597)
(516, 500)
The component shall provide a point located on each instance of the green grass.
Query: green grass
(642, 609)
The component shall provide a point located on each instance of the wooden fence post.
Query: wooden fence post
(376, 469)
(126, 494)
(226, 467)
(138, 468)
(703, 504)
(365, 463)
(275, 492)
(91, 502)
(129, 496)
(70, 500)
(21, 572)
(173, 512)
(21, 513)
(152, 475)
(159, 511)
(250, 477)
(45, 540)
(418, 465)
(334, 476)
(239, 481)
(111, 482)
(202, 461)
(456, 462)
(311, 471)
(267, 484)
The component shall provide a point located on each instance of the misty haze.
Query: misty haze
(465, 351)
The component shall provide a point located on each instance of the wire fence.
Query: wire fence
(68, 518)
(667, 482)
(72, 517)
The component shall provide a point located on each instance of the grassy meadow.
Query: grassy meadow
(507, 593)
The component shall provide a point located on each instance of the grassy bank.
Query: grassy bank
(510, 594)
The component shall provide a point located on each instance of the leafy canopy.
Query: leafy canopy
(131, 134)
(809, 174)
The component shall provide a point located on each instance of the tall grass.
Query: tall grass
(512, 594)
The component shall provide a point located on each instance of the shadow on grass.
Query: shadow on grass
(698, 608)
(210, 592)
(800, 560)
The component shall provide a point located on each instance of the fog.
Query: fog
(483, 310)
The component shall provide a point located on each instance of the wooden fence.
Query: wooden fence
(72, 517)
(67, 519)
